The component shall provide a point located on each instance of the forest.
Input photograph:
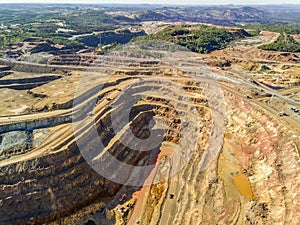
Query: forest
(284, 43)
(203, 40)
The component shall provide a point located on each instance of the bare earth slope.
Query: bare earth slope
(228, 153)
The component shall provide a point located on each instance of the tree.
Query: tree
(284, 43)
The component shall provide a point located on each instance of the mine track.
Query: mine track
(194, 179)
(294, 122)
(13, 123)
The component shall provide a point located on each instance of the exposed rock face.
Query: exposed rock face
(27, 83)
(35, 124)
(16, 141)
(277, 56)
(61, 183)
(4, 71)
(31, 46)
(251, 178)
(37, 181)
(43, 47)
(45, 189)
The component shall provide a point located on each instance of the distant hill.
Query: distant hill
(213, 15)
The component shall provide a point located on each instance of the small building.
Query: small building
(2, 27)
(14, 26)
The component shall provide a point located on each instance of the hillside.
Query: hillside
(284, 43)
(109, 115)
(203, 40)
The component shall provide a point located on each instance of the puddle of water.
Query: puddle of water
(242, 183)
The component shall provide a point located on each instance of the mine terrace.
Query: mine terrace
(223, 81)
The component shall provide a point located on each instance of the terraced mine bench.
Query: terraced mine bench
(58, 179)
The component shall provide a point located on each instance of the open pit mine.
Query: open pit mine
(145, 136)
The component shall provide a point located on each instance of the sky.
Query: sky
(200, 2)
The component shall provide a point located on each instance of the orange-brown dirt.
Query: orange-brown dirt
(253, 180)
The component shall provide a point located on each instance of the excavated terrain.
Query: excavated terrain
(226, 126)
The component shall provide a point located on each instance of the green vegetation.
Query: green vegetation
(103, 49)
(110, 37)
(69, 44)
(46, 23)
(287, 28)
(204, 40)
(20, 35)
(59, 23)
(284, 43)
(12, 37)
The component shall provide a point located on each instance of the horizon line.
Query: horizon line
(116, 3)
